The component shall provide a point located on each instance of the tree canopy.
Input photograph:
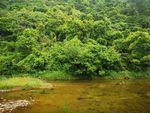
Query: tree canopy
(83, 37)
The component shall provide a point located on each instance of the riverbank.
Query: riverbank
(60, 75)
(22, 83)
(38, 80)
(128, 75)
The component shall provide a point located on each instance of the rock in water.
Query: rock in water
(11, 105)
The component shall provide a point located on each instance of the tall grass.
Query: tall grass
(128, 74)
(22, 82)
(26, 79)
(55, 75)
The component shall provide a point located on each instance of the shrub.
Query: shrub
(83, 58)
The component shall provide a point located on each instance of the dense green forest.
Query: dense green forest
(81, 37)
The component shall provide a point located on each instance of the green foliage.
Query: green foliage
(27, 41)
(33, 62)
(82, 37)
(55, 75)
(83, 58)
(135, 49)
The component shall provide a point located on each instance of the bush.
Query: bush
(135, 50)
(83, 58)
(33, 62)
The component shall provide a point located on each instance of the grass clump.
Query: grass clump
(23, 82)
(55, 75)
(128, 74)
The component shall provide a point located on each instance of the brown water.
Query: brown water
(103, 96)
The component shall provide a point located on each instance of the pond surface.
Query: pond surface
(103, 96)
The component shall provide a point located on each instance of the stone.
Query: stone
(10, 105)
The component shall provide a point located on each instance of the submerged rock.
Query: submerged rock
(148, 94)
(8, 106)
(121, 83)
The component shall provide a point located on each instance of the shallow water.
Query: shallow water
(103, 96)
